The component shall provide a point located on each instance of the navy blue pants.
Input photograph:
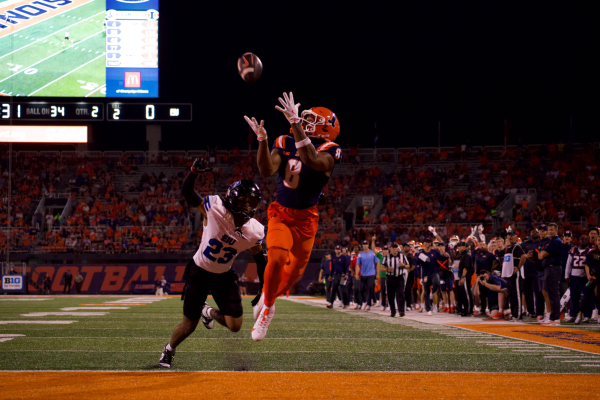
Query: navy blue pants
(577, 287)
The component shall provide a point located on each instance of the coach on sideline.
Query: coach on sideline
(551, 256)
(369, 264)
(339, 271)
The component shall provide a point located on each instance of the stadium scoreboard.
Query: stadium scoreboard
(50, 111)
(44, 111)
(148, 112)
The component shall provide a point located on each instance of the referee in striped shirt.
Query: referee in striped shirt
(395, 265)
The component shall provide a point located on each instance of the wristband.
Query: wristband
(303, 143)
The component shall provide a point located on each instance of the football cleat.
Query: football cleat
(550, 322)
(208, 322)
(368, 308)
(429, 313)
(586, 320)
(578, 319)
(259, 331)
(166, 358)
(259, 305)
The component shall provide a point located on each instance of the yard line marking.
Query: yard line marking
(68, 73)
(578, 361)
(73, 314)
(32, 65)
(590, 365)
(5, 339)
(581, 357)
(21, 48)
(257, 352)
(10, 335)
(93, 308)
(25, 299)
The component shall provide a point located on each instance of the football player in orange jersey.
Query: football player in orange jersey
(304, 162)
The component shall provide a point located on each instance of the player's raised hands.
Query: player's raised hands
(259, 129)
(200, 166)
(290, 110)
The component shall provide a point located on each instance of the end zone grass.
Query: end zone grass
(301, 338)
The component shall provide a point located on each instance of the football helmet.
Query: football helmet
(320, 122)
(243, 199)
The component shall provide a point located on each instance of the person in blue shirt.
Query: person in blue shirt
(369, 264)
(551, 257)
(530, 284)
(428, 259)
(339, 273)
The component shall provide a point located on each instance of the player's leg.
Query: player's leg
(226, 293)
(392, 286)
(194, 297)
(279, 243)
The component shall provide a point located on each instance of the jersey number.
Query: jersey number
(578, 261)
(215, 247)
(292, 174)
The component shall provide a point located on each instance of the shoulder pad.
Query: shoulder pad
(280, 142)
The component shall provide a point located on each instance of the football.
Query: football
(250, 67)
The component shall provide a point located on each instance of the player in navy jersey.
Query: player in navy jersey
(304, 162)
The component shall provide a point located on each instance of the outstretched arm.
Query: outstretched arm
(187, 189)
(308, 154)
(267, 163)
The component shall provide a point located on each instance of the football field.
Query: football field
(35, 59)
(306, 345)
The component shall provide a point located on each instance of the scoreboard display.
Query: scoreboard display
(48, 111)
(148, 112)
(42, 111)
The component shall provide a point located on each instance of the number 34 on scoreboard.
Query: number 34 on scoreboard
(148, 112)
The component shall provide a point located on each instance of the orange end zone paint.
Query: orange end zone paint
(576, 339)
(282, 385)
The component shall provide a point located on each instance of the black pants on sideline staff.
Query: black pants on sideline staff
(367, 286)
(514, 294)
(483, 294)
(552, 279)
(383, 292)
(465, 296)
(408, 289)
(356, 289)
(433, 282)
(335, 286)
(328, 284)
(529, 286)
(67, 288)
(395, 293)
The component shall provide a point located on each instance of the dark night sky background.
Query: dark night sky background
(403, 66)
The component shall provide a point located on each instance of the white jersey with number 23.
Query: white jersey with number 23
(221, 242)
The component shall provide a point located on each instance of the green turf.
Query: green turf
(38, 57)
(301, 338)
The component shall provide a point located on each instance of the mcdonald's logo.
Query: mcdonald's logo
(133, 79)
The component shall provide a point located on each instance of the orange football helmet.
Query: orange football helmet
(324, 124)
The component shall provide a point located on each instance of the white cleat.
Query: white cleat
(429, 313)
(256, 309)
(259, 331)
(578, 319)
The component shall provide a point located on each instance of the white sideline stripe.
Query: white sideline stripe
(25, 299)
(94, 308)
(5, 339)
(38, 322)
(11, 335)
(579, 361)
(50, 56)
(590, 365)
(60, 30)
(540, 350)
(196, 338)
(68, 73)
(253, 352)
(71, 314)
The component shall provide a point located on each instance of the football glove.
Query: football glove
(432, 230)
(259, 129)
(200, 166)
(290, 110)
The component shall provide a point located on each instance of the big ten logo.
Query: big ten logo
(15, 280)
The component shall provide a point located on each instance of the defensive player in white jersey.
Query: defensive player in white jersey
(229, 229)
